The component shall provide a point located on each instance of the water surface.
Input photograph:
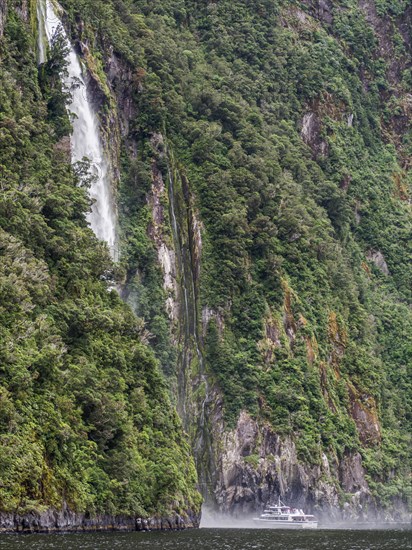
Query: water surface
(216, 539)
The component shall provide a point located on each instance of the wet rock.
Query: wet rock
(121, 81)
(364, 412)
(257, 466)
(377, 258)
(321, 9)
(310, 133)
(157, 199)
(352, 474)
(3, 15)
(22, 10)
(65, 520)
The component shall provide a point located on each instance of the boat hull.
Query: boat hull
(279, 524)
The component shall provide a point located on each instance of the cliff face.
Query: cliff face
(257, 464)
(270, 316)
(89, 438)
(3, 14)
(263, 153)
(64, 519)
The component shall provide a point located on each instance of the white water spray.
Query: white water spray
(86, 139)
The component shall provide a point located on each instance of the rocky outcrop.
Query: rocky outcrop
(310, 132)
(364, 412)
(22, 10)
(404, 26)
(377, 258)
(157, 199)
(122, 81)
(257, 466)
(3, 15)
(271, 340)
(321, 9)
(384, 30)
(65, 520)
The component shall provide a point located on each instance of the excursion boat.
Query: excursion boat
(281, 516)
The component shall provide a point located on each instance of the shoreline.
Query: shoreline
(64, 521)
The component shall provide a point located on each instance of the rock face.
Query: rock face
(3, 15)
(250, 465)
(311, 127)
(257, 466)
(166, 254)
(321, 9)
(67, 521)
(364, 413)
(383, 27)
(377, 258)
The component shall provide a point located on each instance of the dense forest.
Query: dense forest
(85, 414)
(264, 151)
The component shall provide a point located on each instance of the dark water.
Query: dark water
(216, 539)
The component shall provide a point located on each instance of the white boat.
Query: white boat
(280, 516)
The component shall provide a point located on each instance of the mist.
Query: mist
(211, 519)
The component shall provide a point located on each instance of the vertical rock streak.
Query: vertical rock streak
(86, 141)
(202, 445)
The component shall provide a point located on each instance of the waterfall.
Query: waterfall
(86, 140)
(42, 36)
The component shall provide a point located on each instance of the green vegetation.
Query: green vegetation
(85, 414)
(306, 242)
(288, 226)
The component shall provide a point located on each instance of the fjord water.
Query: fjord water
(86, 139)
(217, 539)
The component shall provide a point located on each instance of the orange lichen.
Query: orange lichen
(271, 341)
(401, 188)
(366, 268)
(289, 320)
(337, 334)
(302, 321)
(323, 371)
(311, 349)
(139, 75)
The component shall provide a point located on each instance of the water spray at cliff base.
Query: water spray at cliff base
(211, 519)
(86, 140)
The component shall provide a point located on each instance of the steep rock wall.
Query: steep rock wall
(36, 495)
(247, 465)
(257, 465)
(3, 15)
(57, 521)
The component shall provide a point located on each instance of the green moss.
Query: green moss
(253, 460)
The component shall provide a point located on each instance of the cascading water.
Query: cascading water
(42, 37)
(86, 141)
